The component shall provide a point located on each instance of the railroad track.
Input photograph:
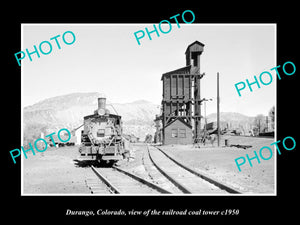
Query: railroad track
(119, 181)
(187, 180)
(155, 175)
(165, 174)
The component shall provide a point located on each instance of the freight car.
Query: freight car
(101, 138)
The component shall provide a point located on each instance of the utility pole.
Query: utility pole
(205, 119)
(218, 109)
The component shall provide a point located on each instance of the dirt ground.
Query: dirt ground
(55, 171)
(219, 163)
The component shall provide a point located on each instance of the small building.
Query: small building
(134, 139)
(131, 138)
(77, 134)
(178, 132)
(212, 127)
(158, 130)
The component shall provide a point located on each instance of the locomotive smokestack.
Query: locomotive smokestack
(101, 111)
(101, 103)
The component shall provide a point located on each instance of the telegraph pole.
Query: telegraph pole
(205, 125)
(218, 109)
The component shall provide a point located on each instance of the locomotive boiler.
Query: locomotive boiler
(101, 138)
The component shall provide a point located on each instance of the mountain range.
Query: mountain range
(67, 111)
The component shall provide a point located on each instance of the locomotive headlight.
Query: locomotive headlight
(101, 112)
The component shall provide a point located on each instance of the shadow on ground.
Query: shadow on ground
(89, 163)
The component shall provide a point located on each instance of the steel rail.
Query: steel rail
(168, 176)
(115, 190)
(143, 181)
(112, 188)
(205, 177)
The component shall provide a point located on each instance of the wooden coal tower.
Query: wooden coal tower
(181, 104)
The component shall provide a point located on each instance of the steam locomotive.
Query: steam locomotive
(101, 138)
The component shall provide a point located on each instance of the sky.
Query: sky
(106, 58)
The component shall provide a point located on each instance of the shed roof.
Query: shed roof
(195, 42)
(181, 120)
(180, 70)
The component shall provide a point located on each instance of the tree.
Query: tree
(260, 123)
(272, 116)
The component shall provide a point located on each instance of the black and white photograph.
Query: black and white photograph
(173, 115)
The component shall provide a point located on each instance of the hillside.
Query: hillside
(234, 120)
(68, 111)
(232, 117)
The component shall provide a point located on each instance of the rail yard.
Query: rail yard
(178, 161)
(150, 171)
